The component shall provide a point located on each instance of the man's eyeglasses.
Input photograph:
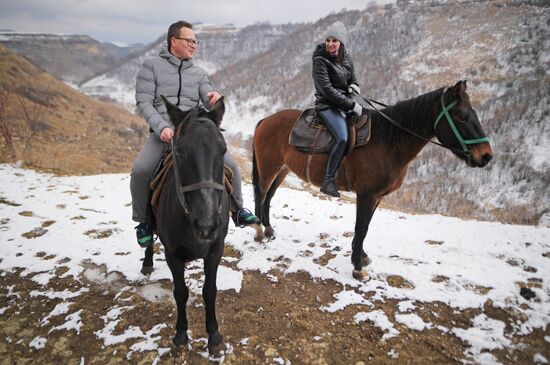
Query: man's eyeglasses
(190, 42)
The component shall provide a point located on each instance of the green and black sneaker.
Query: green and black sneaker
(244, 217)
(144, 234)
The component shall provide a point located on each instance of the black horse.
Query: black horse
(192, 213)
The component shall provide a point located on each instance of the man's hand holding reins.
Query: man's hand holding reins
(214, 97)
(166, 135)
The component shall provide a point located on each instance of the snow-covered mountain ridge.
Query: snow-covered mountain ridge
(70, 57)
(401, 51)
(220, 46)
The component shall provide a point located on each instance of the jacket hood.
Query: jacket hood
(164, 53)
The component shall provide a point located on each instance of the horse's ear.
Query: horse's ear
(216, 114)
(176, 114)
(459, 89)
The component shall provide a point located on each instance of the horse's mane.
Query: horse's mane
(411, 114)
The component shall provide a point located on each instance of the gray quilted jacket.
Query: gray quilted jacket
(181, 82)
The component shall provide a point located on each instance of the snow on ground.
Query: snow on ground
(86, 219)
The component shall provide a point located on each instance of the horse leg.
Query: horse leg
(364, 257)
(366, 205)
(269, 232)
(258, 209)
(147, 266)
(181, 294)
(209, 291)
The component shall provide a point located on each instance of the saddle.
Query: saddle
(166, 167)
(310, 135)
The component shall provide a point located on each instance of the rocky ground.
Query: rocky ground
(275, 319)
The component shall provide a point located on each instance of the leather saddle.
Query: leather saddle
(310, 135)
(166, 167)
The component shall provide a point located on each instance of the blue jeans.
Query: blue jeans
(335, 120)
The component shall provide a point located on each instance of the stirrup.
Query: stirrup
(251, 218)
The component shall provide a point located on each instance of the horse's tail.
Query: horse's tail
(256, 181)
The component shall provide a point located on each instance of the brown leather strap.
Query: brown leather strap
(343, 166)
(308, 166)
(310, 155)
(352, 134)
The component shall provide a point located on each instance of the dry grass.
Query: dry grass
(55, 128)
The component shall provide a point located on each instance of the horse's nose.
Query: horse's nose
(205, 228)
(486, 158)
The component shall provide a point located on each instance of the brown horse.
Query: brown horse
(377, 168)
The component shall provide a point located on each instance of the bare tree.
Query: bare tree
(33, 113)
(4, 128)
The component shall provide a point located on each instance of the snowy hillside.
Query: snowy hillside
(400, 51)
(47, 222)
(403, 51)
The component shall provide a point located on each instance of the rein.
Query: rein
(465, 151)
(182, 189)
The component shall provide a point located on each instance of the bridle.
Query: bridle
(444, 112)
(205, 184)
(463, 142)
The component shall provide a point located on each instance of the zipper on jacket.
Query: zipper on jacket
(179, 80)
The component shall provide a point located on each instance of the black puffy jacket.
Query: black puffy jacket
(332, 79)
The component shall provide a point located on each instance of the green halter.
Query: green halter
(463, 142)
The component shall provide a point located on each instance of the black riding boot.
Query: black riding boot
(330, 184)
(330, 187)
(336, 123)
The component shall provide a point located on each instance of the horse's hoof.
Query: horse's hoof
(147, 270)
(259, 237)
(362, 275)
(269, 232)
(180, 339)
(180, 353)
(215, 344)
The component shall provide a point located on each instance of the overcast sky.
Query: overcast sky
(142, 21)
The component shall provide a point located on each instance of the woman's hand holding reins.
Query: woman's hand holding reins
(357, 109)
(354, 88)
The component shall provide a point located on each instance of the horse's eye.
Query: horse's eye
(461, 116)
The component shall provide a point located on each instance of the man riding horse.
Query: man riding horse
(173, 75)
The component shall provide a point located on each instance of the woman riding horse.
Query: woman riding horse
(445, 113)
(334, 80)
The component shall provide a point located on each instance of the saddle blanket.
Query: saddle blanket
(310, 135)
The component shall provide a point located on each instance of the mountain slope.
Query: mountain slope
(404, 50)
(401, 51)
(46, 124)
(72, 58)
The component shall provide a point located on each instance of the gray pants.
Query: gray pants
(145, 166)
